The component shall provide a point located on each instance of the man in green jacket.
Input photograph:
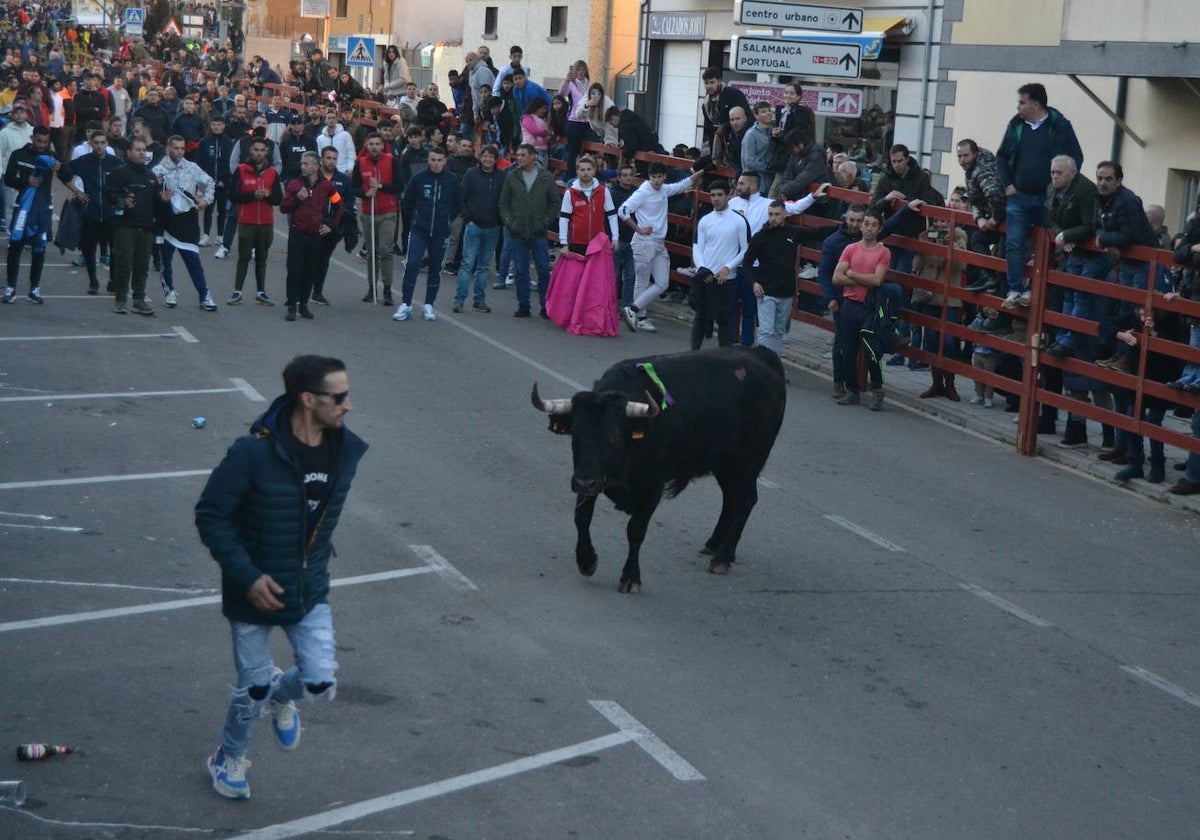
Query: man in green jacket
(1071, 209)
(528, 208)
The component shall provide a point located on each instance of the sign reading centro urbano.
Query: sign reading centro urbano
(797, 16)
(795, 58)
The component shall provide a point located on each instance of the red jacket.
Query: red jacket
(387, 200)
(253, 210)
(586, 217)
(322, 207)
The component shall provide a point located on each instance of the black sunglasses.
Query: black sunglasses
(338, 398)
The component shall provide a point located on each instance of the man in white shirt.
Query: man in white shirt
(334, 135)
(721, 240)
(645, 212)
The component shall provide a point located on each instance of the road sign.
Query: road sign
(172, 28)
(795, 57)
(135, 19)
(360, 51)
(838, 103)
(870, 43)
(796, 16)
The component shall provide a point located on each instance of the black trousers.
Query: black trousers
(714, 302)
(93, 233)
(305, 258)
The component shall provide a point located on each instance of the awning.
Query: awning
(883, 24)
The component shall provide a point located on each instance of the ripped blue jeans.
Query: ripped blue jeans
(313, 647)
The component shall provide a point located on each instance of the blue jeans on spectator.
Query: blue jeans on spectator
(626, 277)
(1022, 210)
(1152, 412)
(1081, 304)
(419, 243)
(191, 261)
(504, 268)
(479, 246)
(1132, 274)
(1191, 370)
(773, 316)
(745, 295)
(537, 247)
(316, 663)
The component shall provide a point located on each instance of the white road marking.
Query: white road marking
(442, 567)
(770, 485)
(1178, 692)
(40, 516)
(175, 589)
(177, 829)
(187, 603)
(185, 335)
(176, 332)
(631, 731)
(100, 479)
(487, 339)
(1008, 606)
(863, 532)
(249, 390)
(120, 394)
(67, 528)
(654, 746)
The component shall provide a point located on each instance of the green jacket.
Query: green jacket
(528, 213)
(1074, 213)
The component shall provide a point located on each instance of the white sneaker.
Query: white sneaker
(510, 280)
(1010, 302)
(208, 304)
(646, 325)
(204, 240)
(808, 272)
(631, 318)
(171, 300)
(221, 253)
(403, 313)
(976, 400)
(1024, 298)
(988, 403)
(427, 312)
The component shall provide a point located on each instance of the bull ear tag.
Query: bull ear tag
(558, 426)
(638, 434)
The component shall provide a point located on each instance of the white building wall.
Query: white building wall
(526, 23)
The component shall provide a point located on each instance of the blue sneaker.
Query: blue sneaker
(285, 723)
(229, 775)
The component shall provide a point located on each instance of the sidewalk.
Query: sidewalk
(808, 347)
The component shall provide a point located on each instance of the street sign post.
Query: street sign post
(795, 58)
(360, 51)
(798, 16)
(135, 20)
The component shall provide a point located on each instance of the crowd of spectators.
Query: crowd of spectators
(496, 117)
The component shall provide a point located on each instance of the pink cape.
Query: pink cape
(583, 290)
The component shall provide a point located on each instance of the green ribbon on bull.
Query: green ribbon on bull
(649, 370)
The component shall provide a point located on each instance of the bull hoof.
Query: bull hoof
(707, 551)
(719, 568)
(629, 587)
(587, 565)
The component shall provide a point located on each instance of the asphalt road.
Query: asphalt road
(925, 635)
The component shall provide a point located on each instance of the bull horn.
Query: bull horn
(549, 406)
(647, 409)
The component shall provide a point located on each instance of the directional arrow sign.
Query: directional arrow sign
(796, 16)
(795, 58)
(870, 42)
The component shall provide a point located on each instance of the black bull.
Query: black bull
(724, 409)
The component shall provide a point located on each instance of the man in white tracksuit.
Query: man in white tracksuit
(645, 212)
(334, 135)
(186, 191)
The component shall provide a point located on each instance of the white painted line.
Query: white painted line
(249, 390)
(631, 731)
(1155, 680)
(173, 334)
(768, 484)
(185, 335)
(182, 604)
(486, 339)
(40, 516)
(442, 567)
(863, 532)
(106, 298)
(120, 394)
(66, 528)
(176, 589)
(100, 479)
(1008, 606)
(654, 746)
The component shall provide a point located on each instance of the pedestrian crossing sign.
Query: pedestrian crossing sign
(360, 52)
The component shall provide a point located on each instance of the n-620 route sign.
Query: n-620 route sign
(795, 58)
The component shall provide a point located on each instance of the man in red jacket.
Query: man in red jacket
(316, 209)
(255, 189)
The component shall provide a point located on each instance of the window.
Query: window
(490, 13)
(558, 23)
(342, 10)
